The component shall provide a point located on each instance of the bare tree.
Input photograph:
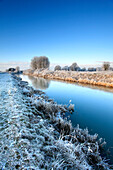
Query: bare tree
(106, 66)
(57, 67)
(34, 62)
(40, 62)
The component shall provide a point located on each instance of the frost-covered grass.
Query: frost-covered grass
(34, 134)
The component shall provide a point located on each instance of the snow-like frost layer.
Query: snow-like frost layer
(34, 135)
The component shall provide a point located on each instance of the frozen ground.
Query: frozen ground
(34, 135)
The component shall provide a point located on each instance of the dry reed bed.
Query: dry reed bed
(94, 78)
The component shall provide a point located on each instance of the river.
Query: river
(93, 105)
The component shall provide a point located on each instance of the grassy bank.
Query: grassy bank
(104, 78)
(45, 140)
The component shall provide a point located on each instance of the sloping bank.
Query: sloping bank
(104, 78)
(34, 134)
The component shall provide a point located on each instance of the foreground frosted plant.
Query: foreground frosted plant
(34, 134)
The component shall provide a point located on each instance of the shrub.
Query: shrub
(106, 66)
(40, 62)
(74, 67)
(83, 69)
(66, 68)
(91, 69)
(57, 68)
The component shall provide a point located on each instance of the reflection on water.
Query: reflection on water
(96, 87)
(37, 82)
(43, 84)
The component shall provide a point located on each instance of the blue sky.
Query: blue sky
(64, 30)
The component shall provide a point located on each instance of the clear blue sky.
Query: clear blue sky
(64, 30)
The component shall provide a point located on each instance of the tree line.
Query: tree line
(42, 62)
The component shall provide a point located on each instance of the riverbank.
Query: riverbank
(35, 135)
(104, 78)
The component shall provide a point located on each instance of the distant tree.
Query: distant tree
(57, 67)
(34, 63)
(106, 66)
(99, 69)
(91, 69)
(74, 67)
(40, 62)
(83, 69)
(66, 68)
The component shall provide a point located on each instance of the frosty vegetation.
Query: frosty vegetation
(40, 62)
(37, 135)
(74, 67)
(57, 67)
(106, 66)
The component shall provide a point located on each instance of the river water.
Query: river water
(93, 105)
